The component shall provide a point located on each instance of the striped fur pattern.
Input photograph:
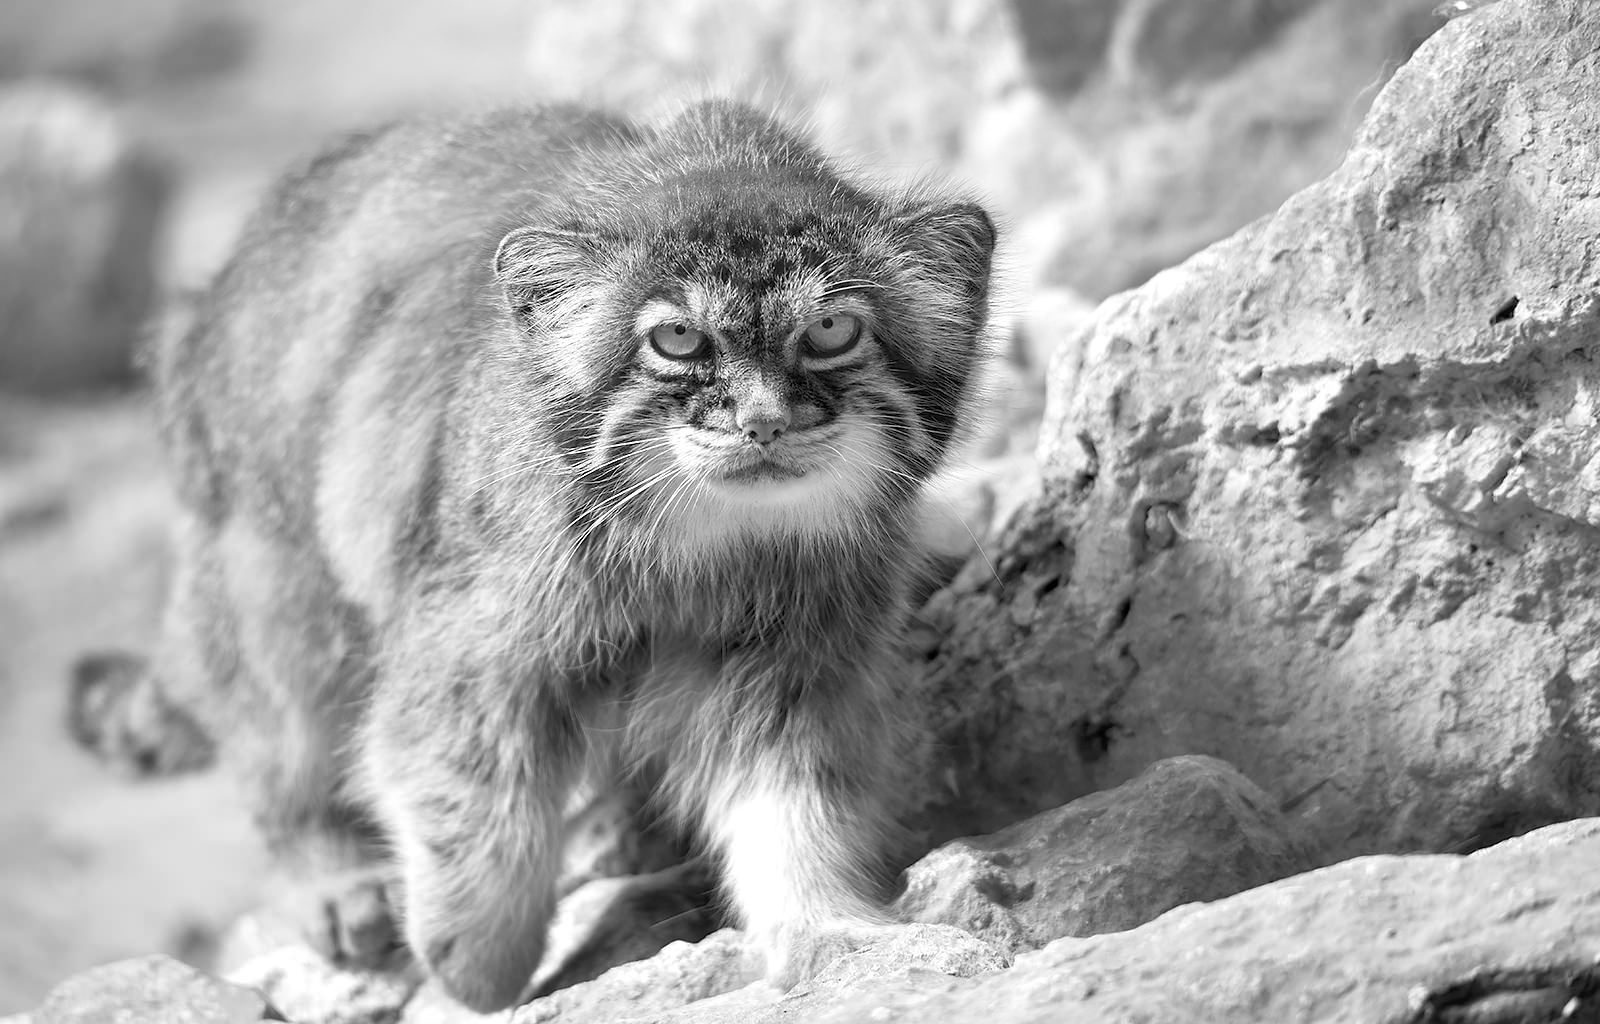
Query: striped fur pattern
(461, 540)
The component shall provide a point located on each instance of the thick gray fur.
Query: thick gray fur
(426, 595)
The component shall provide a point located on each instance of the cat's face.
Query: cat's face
(756, 359)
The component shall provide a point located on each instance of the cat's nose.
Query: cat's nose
(764, 427)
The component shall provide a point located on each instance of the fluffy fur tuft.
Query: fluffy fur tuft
(464, 535)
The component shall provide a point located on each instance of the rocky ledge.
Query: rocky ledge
(1507, 935)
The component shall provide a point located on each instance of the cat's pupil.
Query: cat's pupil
(827, 323)
(679, 329)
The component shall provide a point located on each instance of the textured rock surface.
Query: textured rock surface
(1188, 829)
(918, 955)
(1321, 501)
(150, 990)
(80, 215)
(680, 974)
(307, 989)
(1396, 940)
(1376, 940)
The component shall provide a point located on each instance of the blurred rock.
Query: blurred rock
(307, 989)
(150, 990)
(126, 47)
(81, 210)
(1189, 829)
(1169, 41)
(893, 82)
(1372, 939)
(1064, 41)
(1321, 501)
(1135, 183)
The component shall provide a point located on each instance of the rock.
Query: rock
(680, 974)
(910, 948)
(150, 990)
(1065, 41)
(1189, 829)
(307, 989)
(919, 955)
(1169, 41)
(1402, 939)
(81, 208)
(1321, 501)
(1124, 184)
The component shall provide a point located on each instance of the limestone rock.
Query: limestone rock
(81, 208)
(1321, 501)
(680, 974)
(921, 956)
(150, 990)
(307, 989)
(1402, 939)
(1125, 183)
(919, 947)
(1393, 939)
(1189, 829)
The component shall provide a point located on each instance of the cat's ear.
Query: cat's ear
(541, 270)
(956, 243)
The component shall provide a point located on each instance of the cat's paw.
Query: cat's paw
(349, 918)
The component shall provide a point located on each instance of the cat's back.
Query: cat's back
(366, 270)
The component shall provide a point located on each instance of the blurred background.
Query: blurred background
(1113, 138)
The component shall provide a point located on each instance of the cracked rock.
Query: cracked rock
(1324, 501)
(1188, 829)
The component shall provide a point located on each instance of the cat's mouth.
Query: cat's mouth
(757, 467)
(739, 463)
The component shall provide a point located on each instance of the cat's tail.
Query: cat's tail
(118, 712)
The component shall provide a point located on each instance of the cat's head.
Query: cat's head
(728, 335)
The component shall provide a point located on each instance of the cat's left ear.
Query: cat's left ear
(955, 239)
(543, 270)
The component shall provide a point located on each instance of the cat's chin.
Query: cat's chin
(757, 472)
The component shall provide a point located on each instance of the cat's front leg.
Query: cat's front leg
(802, 821)
(469, 772)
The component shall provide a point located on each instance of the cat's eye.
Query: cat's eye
(833, 335)
(676, 341)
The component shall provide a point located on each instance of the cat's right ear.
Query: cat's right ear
(542, 270)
